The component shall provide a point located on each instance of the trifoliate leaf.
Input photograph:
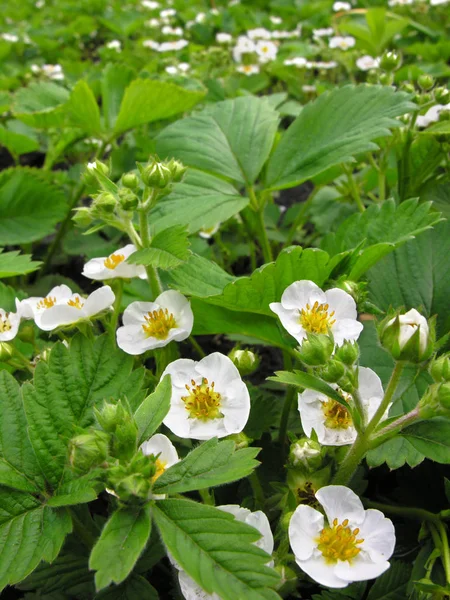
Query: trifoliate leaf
(168, 249)
(13, 263)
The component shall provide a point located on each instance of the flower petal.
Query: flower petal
(360, 569)
(340, 502)
(160, 444)
(57, 315)
(322, 572)
(379, 535)
(346, 329)
(300, 293)
(342, 304)
(304, 527)
(218, 368)
(99, 300)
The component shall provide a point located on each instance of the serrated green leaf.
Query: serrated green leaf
(396, 453)
(120, 544)
(230, 139)
(392, 584)
(114, 83)
(17, 143)
(41, 104)
(199, 276)
(168, 249)
(148, 100)
(431, 438)
(65, 391)
(200, 201)
(210, 464)
(216, 550)
(150, 414)
(333, 129)
(83, 109)
(13, 263)
(29, 532)
(77, 491)
(29, 206)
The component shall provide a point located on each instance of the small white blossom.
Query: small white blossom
(153, 23)
(248, 69)
(338, 6)
(366, 62)
(309, 89)
(149, 325)
(114, 265)
(223, 38)
(259, 34)
(165, 452)
(400, 2)
(438, 2)
(266, 51)
(54, 72)
(207, 234)
(10, 37)
(114, 45)
(324, 32)
(150, 44)
(305, 308)
(168, 30)
(171, 70)
(170, 46)
(61, 307)
(432, 115)
(168, 12)
(275, 20)
(244, 45)
(330, 420)
(297, 61)
(9, 323)
(200, 17)
(344, 43)
(150, 4)
(352, 544)
(304, 452)
(209, 398)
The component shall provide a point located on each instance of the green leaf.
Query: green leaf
(168, 249)
(200, 201)
(230, 139)
(392, 584)
(150, 414)
(13, 263)
(65, 391)
(115, 80)
(29, 532)
(83, 109)
(200, 277)
(211, 463)
(77, 491)
(17, 143)
(134, 588)
(333, 129)
(147, 100)
(120, 544)
(216, 550)
(30, 207)
(431, 438)
(41, 104)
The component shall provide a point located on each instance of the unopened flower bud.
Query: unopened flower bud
(425, 82)
(332, 372)
(82, 217)
(285, 520)
(386, 78)
(26, 334)
(245, 361)
(436, 401)
(128, 199)
(444, 395)
(97, 165)
(156, 175)
(316, 350)
(407, 337)
(130, 180)
(110, 416)
(105, 202)
(306, 453)
(442, 95)
(177, 170)
(390, 61)
(88, 450)
(424, 98)
(6, 351)
(240, 439)
(348, 353)
(408, 87)
(440, 368)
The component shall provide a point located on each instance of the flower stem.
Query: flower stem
(152, 274)
(388, 395)
(287, 406)
(444, 549)
(263, 239)
(393, 428)
(258, 492)
(207, 496)
(354, 189)
(201, 353)
(408, 512)
(300, 218)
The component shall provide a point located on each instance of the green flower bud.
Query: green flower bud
(425, 82)
(440, 368)
(128, 199)
(26, 334)
(177, 169)
(390, 61)
(372, 76)
(245, 361)
(306, 453)
(332, 372)
(424, 98)
(133, 480)
(444, 115)
(117, 420)
(110, 416)
(98, 166)
(442, 95)
(88, 450)
(130, 180)
(408, 87)
(82, 217)
(386, 78)
(436, 401)
(156, 175)
(408, 337)
(316, 350)
(105, 202)
(348, 353)
(6, 351)
(285, 520)
(240, 439)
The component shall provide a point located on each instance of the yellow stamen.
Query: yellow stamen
(76, 302)
(160, 468)
(5, 324)
(47, 302)
(339, 542)
(113, 260)
(203, 402)
(316, 319)
(336, 415)
(159, 323)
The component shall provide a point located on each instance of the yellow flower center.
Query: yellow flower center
(336, 415)
(160, 468)
(112, 261)
(316, 319)
(76, 302)
(339, 542)
(158, 323)
(5, 324)
(47, 302)
(247, 68)
(203, 402)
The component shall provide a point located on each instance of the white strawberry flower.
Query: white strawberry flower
(190, 589)
(331, 420)
(150, 4)
(163, 450)
(297, 61)
(260, 33)
(344, 43)
(61, 307)
(305, 308)
(248, 69)
(338, 6)
(113, 266)
(409, 323)
(366, 62)
(266, 51)
(9, 323)
(350, 544)
(149, 325)
(170, 46)
(209, 398)
(223, 38)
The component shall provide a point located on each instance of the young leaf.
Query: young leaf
(212, 463)
(431, 438)
(41, 104)
(154, 408)
(29, 532)
(147, 100)
(17, 143)
(216, 550)
(333, 129)
(30, 207)
(114, 83)
(83, 109)
(13, 263)
(230, 139)
(120, 544)
(169, 249)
